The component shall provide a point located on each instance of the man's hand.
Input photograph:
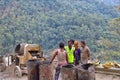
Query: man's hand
(88, 58)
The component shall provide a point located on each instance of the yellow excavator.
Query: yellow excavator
(24, 52)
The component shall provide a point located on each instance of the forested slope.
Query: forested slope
(49, 22)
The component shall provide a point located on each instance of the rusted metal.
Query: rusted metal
(2, 64)
(68, 72)
(33, 69)
(1, 59)
(81, 72)
(20, 49)
(86, 72)
(2, 67)
(45, 71)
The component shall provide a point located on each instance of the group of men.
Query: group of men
(73, 53)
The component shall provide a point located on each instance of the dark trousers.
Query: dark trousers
(57, 73)
(76, 62)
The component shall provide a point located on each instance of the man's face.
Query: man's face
(82, 45)
(76, 44)
(70, 44)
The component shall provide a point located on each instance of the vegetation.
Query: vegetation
(49, 22)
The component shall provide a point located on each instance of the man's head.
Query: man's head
(83, 44)
(70, 44)
(76, 44)
(61, 45)
(72, 41)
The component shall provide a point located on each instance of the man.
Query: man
(72, 41)
(70, 52)
(77, 53)
(85, 53)
(61, 57)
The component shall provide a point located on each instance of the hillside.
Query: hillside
(49, 22)
(110, 2)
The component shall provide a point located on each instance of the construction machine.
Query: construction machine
(2, 64)
(22, 53)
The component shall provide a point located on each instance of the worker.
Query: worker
(77, 53)
(70, 52)
(85, 52)
(61, 57)
(72, 41)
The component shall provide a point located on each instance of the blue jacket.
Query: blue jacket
(77, 54)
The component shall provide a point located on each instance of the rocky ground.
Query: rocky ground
(106, 77)
(98, 77)
(8, 75)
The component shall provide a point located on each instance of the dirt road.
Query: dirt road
(8, 75)
(100, 76)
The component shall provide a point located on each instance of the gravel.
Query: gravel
(8, 75)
